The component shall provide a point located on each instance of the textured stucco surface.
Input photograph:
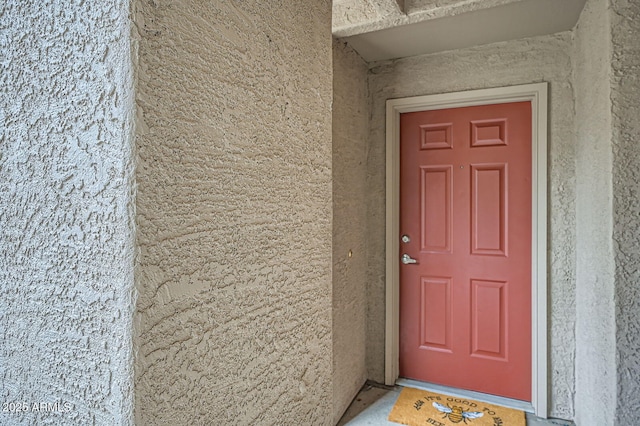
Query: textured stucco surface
(441, 8)
(595, 310)
(523, 61)
(351, 17)
(350, 12)
(233, 320)
(350, 136)
(66, 228)
(625, 95)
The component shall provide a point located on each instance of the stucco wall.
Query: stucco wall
(625, 95)
(233, 320)
(66, 227)
(595, 310)
(350, 136)
(502, 64)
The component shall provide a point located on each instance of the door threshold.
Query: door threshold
(463, 393)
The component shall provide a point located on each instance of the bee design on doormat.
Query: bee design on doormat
(455, 414)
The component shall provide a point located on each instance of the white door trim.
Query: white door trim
(537, 95)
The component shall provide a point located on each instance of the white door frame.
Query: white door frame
(537, 95)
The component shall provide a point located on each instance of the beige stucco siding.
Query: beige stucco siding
(350, 135)
(234, 213)
(625, 96)
(66, 213)
(595, 309)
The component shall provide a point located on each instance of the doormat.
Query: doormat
(416, 407)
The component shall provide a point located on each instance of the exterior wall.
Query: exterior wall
(502, 64)
(625, 95)
(233, 320)
(595, 322)
(66, 208)
(350, 136)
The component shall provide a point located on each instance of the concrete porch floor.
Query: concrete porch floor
(374, 402)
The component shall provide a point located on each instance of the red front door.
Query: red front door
(465, 209)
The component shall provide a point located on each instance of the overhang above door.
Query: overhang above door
(388, 29)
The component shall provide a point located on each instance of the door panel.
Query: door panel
(435, 313)
(489, 209)
(465, 203)
(435, 208)
(488, 316)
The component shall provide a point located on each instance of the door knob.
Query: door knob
(406, 259)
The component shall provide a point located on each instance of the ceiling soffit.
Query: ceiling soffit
(386, 29)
